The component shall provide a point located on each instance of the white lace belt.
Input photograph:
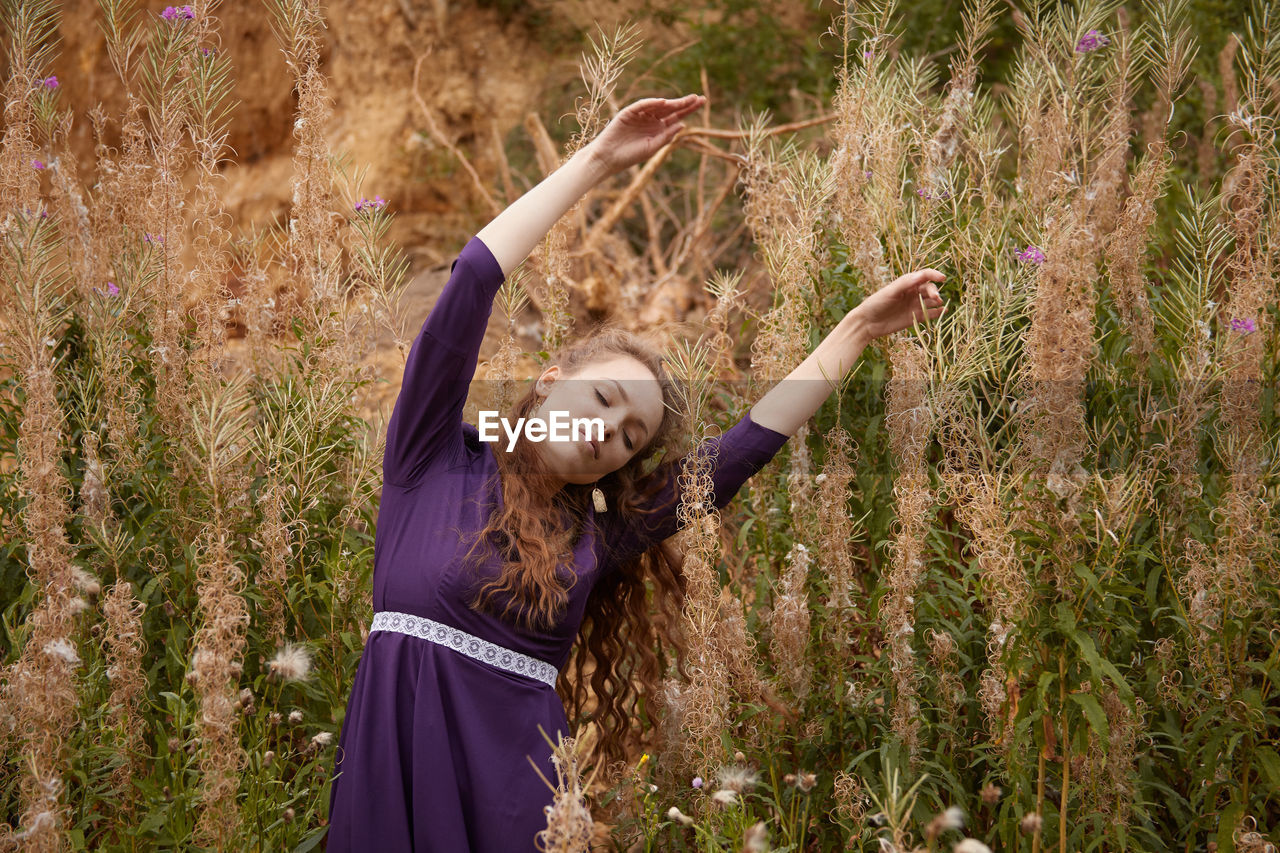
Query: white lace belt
(469, 644)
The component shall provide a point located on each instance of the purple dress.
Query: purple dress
(432, 753)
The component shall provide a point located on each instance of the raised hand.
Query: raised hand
(900, 303)
(789, 404)
(638, 130)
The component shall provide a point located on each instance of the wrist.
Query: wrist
(855, 329)
(594, 162)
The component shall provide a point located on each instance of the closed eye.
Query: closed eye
(625, 439)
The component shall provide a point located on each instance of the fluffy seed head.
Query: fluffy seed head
(291, 663)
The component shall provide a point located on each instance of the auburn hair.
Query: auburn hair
(623, 642)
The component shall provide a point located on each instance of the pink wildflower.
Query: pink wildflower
(697, 781)
(51, 82)
(1091, 40)
(1031, 255)
(112, 289)
(174, 13)
(365, 204)
(1245, 326)
(37, 164)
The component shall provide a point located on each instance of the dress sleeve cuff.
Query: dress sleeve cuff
(766, 439)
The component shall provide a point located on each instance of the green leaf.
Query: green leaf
(1098, 665)
(1094, 713)
(1153, 585)
(1226, 827)
(1066, 619)
(1042, 689)
(153, 821)
(1270, 765)
(1082, 571)
(311, 840)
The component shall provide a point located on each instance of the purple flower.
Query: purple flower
(1031, 255)
(158, 238)
(112, 289)
(377, 204)
(1091, 40)
(1245, 326)
(866, 54)
(51, 82)
(37, 164)
(697, 781)
(208, 51)
(175, 13)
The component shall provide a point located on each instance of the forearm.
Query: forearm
(514, 232)
(788, 405)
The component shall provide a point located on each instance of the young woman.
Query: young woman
(489, 564)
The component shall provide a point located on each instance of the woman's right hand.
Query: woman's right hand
(639, 130)
(634, 135)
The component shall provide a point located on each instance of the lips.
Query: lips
(595, 448)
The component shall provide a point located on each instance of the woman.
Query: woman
(488, 564)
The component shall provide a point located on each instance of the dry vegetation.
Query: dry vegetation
(1018, 581)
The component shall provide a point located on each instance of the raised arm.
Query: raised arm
(426, 422)
(904, 301)
(743, 450)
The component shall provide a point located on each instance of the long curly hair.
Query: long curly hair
(624, 641)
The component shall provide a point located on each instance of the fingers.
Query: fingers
(687, 104)
(922, 282)
(926, 274)
(668, 109)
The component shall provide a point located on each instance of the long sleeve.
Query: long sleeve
(427, 419)
(735, 454)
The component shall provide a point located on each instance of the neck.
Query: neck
(553, 483)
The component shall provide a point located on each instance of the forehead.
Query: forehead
(623, 368)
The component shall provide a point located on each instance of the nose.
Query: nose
(609, 429)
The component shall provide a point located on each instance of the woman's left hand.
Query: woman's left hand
(638, 130)
(900, 303)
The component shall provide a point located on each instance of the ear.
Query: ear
(545, 381)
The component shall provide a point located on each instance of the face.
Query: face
(623, 393)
